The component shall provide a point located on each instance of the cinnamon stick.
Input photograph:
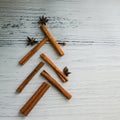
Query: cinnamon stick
(56, 84)
(57, 70)
(30, 76)
(32, 51)
(36, 100)
(30, 104)
(52, 40)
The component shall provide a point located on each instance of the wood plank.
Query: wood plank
(91, 31)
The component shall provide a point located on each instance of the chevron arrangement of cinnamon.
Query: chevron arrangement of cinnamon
(63, 75)
(42, 21)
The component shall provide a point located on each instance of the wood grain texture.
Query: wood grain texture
(91, 29)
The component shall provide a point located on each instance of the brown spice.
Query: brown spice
(56, 84)
(43, 20)
(31, 75)
(31, 41)
(66, 71)
(32, 51)
(57, 70)
(52, 40)
(29, 105)
(62, 43)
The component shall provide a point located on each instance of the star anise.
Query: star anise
(31, 41)
(66, 71)
(43, 20)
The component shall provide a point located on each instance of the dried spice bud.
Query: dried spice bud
(31, 41)
(62, 43)
(43, 20)
(66, 71)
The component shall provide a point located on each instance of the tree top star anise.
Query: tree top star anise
(43, 20)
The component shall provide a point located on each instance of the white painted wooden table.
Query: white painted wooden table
(91, 29)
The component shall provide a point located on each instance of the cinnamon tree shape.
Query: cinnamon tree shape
(43, 20)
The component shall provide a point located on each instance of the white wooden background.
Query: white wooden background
(91, 29)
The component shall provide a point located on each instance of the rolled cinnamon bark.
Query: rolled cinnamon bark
(30, 104)
(52, 40)
(33, 51)
(56, 84)
(30, 76)
(57, 70)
